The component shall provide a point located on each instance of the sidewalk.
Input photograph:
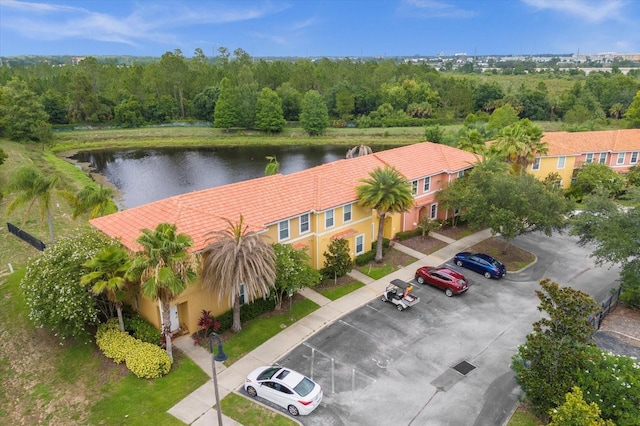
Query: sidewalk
(196, 409)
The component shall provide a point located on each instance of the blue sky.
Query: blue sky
(312, 28)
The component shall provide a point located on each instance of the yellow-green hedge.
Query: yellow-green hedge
(145, 360)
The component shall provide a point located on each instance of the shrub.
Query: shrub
(365, 258)
(405, 235)
(145, 360)
(142, 329)
(248, 312)
(148, 361)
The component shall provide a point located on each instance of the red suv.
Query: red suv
(452, 282)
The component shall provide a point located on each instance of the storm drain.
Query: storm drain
(464, 367)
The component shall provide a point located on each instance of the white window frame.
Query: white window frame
(306, 222)
(461, 173)
(536, 164)
(329, 219)
(427, 184)
(414, 187)
(589, 157)
(561, 162)
(347, 213)
(620, 159)
(283, 228)
(603, 158)
(634, 157)
(359, 250)
(433, 211)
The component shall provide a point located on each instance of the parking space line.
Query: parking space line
(375, 338)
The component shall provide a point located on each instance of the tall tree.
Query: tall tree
(314, 117)
(22, 116)
(164, 268)
(547, 363)
(269, 115)
(107, 275)
(293, 272)
(225, 113)
(633, 112)
(386, 191)
(237, 257)
(33, 186)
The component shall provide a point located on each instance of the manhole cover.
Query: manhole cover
(464, 368)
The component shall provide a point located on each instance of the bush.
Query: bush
(248, 312)
(405, 235)
(145, 360)
(148, 361)
(142, 329)
(365, 258)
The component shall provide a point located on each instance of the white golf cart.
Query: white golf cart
(399, 293)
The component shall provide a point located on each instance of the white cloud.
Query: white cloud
(433, 9)
(591, 11)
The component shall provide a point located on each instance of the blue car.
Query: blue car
(481, 263)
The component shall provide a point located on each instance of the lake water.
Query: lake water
(146, 175)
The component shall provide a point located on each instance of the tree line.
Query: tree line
(238, 91)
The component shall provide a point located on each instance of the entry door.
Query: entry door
(175, 321)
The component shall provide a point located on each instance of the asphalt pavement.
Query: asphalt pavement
(444, 361)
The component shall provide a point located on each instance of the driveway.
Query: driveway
(446, 360)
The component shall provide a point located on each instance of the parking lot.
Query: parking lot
(444, 361)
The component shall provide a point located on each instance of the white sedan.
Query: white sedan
(284, 387)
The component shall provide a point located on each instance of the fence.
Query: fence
(607, 306)
(25, 236)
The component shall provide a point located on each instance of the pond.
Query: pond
(142, 176)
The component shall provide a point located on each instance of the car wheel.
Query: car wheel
(399, 307)
(293, 410)
(420, 280)
(459, 263)
(384, 299)
(487, 275)
(252, 392)
(448, 292)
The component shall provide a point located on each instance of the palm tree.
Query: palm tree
(272, 167)
(386, 191)
(164, 269)
(95, 200)
(108, 269)
(31, 186)
(237, 257)
(518, 144)
(359, 151)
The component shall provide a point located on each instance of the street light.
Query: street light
(220, 357)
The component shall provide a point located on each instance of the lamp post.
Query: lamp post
(220, 357)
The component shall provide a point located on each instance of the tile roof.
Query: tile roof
(577, 143)
(269, 199)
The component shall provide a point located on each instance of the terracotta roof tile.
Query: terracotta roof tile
(269, 199)
(577, 143)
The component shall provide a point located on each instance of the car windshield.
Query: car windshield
(304, 387)
(268, 373)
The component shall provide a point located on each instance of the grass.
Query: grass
(522, 417)
(337, 292)
(393, 260)
(257, 331)
(247, 412)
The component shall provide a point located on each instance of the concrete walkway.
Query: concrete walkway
(196, 409)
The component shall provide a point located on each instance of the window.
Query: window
(434, 211)
(283, 230)
(346, 213)
(461, 173)
(561, 161)
(634, 157)
(603, 157)
(359, 244)
(304, 223)
(328, 219)
(620, 159)
(536, 164)
(427, 184)
(589, 158)
(414, 187)
(243, 294)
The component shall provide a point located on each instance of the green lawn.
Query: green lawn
(337, 292)
(247, 412)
